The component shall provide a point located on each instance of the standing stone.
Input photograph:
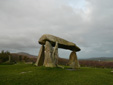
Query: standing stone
(40, 58)
(9, 59)
(73, 61)
(49, 60)
(55, 54)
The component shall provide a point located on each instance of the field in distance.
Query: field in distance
(26, 74)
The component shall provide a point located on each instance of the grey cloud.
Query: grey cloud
(88, 25)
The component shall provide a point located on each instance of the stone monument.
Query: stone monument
(48, 54)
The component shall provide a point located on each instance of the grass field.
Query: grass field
(24, 74)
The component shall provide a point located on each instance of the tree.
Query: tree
(5, 56)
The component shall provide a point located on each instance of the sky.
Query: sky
(87, 23)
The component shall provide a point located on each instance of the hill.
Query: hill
(24, 54)
(21, 56)
(91, 62)
(100, 59)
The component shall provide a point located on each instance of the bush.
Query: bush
(4, 56)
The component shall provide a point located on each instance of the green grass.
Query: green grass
(23, 74)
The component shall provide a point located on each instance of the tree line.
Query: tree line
(7, 57)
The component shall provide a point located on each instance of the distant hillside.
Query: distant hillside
(27, 54)
(63, 61)
(21, 56)
(16, 57)
(24, 54)
(100, 59)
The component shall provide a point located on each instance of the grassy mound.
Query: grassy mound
(24, 74)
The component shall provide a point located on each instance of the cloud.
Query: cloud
(88, 23)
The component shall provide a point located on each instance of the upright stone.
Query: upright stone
(40, 58)
(55, 54)
(9, 59)
(49, 60)
(73, 61)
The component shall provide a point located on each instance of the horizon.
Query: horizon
(64, 57)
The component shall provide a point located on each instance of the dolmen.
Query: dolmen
(48, 54)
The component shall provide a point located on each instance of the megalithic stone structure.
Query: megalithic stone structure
(41, 56)
(48, 56)
(49, 59)
(73, 61)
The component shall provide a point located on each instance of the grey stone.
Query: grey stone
(55, 54)
(73, 61)
(40, 58)
(61, 42)
(49, 60)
